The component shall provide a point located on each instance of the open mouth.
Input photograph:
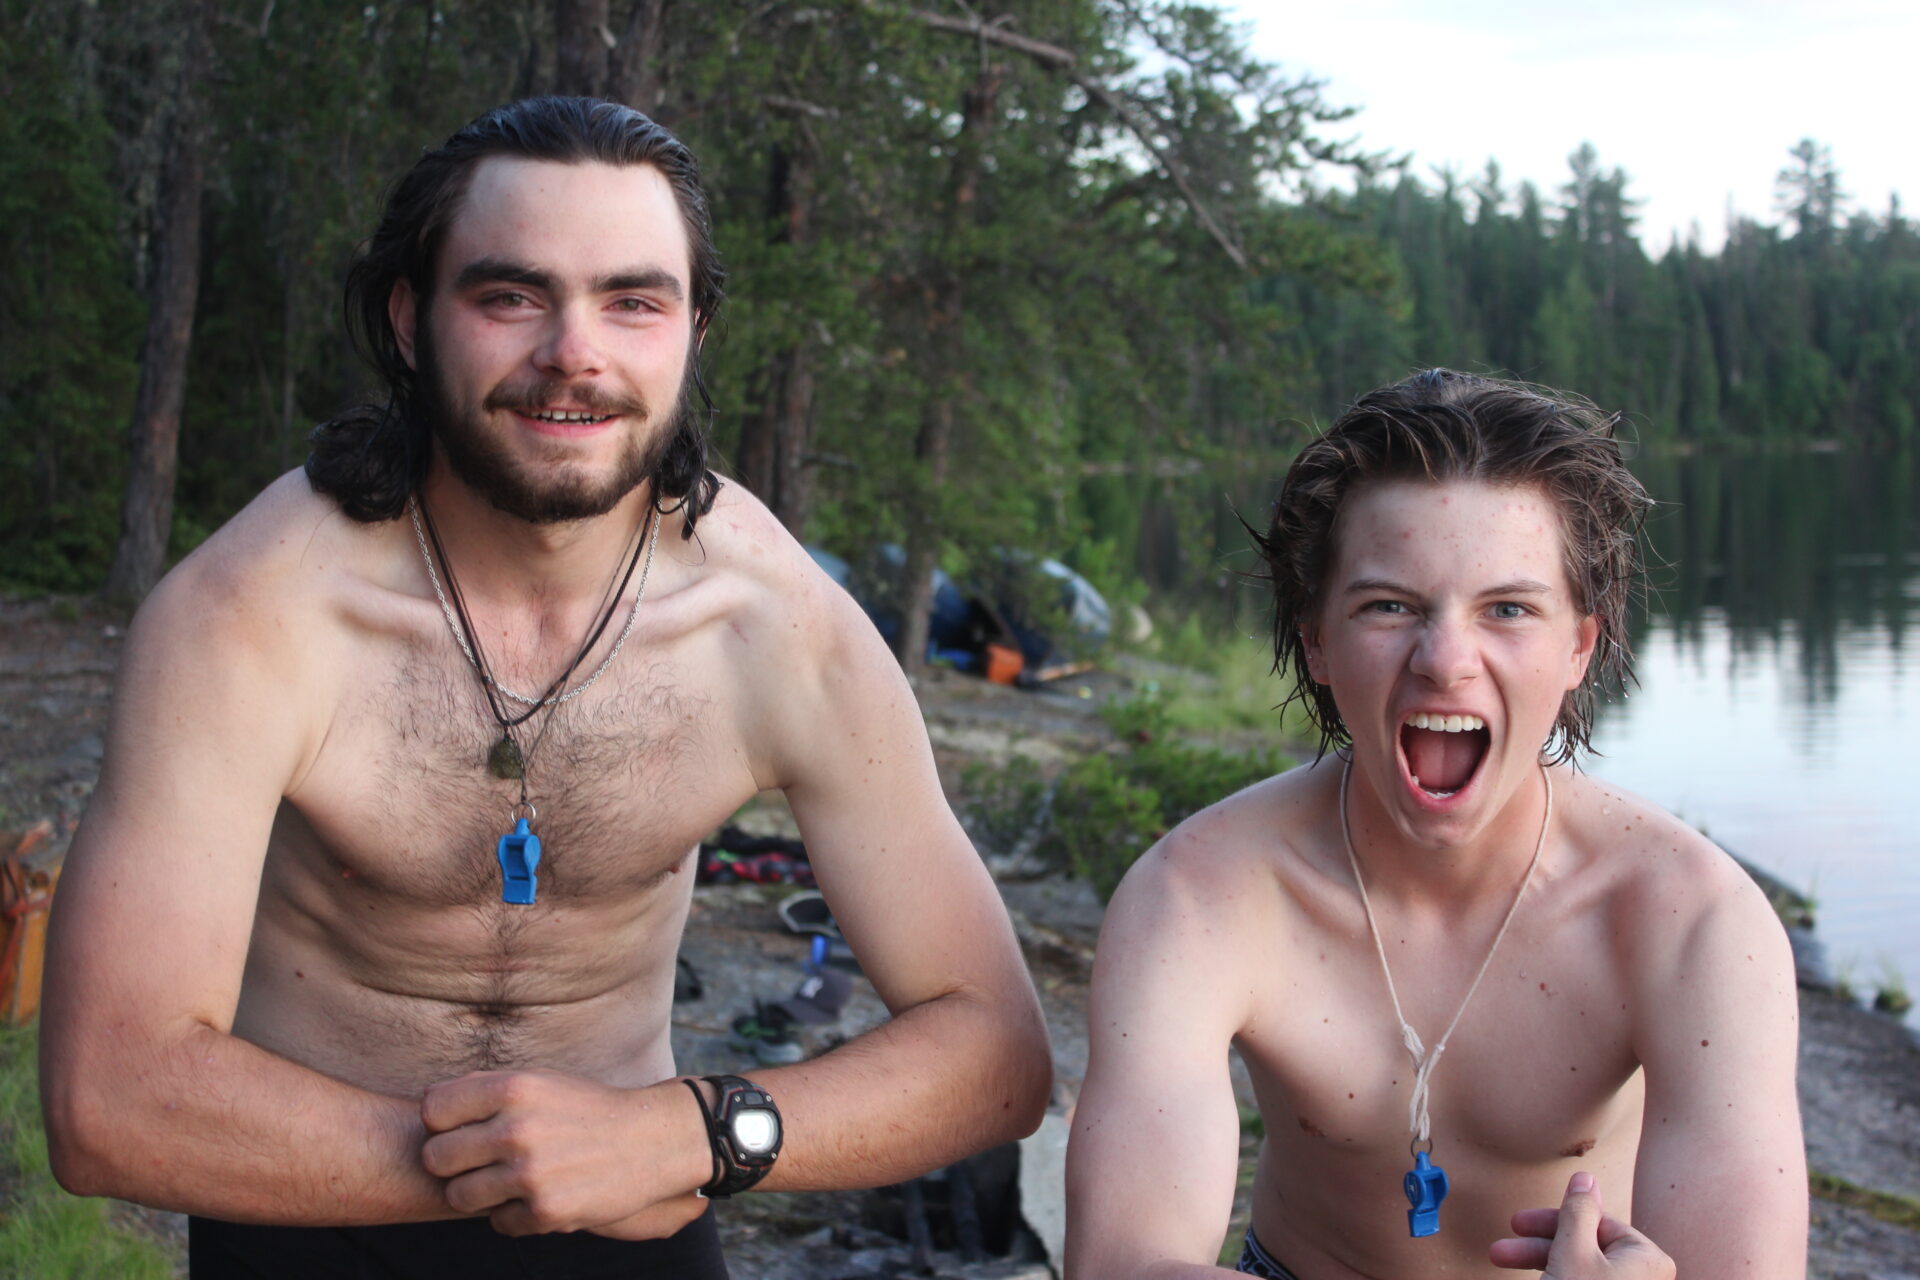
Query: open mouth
(1443, 752)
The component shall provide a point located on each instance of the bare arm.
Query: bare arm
(147, 1094)
(1156, 1138)
(1720, 1182)
(817, 707)
(963, 1064)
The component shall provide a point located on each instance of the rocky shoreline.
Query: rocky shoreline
(1859, 1071)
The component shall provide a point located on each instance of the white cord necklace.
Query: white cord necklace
(1426, 1185)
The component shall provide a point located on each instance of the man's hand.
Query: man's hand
(540, 1151)
(1579, 1242)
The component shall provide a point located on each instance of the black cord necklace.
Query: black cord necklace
(518, 850)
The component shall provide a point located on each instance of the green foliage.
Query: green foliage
(69, 324)
(46, 1233)
(1002, 803)
(1891, 995)
(1901, 1211)
(1777, 339)
(1105, 815)
(1215, 683)
(1108, 807)
(1027, 277)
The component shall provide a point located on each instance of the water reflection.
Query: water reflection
(1776, 672)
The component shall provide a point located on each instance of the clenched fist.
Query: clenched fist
(540, 1151)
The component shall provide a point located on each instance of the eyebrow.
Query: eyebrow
(1517, 587)
(505, 271)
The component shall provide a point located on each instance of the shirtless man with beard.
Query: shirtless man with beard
(299, 982)
(1465, 978)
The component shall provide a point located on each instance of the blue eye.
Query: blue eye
(1509, 611)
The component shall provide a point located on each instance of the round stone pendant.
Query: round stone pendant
(505, 760)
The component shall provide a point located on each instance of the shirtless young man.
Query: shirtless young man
(286, 988)
(1461, 548)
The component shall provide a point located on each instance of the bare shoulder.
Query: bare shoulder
(815, 678)
(1225, 886)
(1674, 899)
(259, 612)
(765, 578)
(285, 553)
(791, 619)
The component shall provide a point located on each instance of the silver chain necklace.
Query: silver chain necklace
(453, 624)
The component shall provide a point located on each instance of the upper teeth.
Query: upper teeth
(566, 415)
(1444, 724)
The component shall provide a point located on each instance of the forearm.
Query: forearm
(938, 1082)
(203, 1122)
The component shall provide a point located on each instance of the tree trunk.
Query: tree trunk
(947, 369)
(634, 63)
(594, 59)
(579, 47)
(146, 510)
(774, 441)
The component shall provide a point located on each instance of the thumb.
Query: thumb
(1577, 1235)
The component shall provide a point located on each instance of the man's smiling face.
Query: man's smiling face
(554, 351)
(1448, 634)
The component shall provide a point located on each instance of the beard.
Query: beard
(555, 493)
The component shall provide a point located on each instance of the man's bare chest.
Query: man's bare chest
(1539, 1066)
(618, 783)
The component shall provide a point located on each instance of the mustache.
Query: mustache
(544, 393)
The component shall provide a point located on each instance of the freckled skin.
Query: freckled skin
(1581, 1049)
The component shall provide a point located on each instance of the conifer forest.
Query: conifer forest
(975, 253)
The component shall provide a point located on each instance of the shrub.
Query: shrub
(1107, 808)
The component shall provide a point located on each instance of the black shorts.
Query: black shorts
(1255, 1261)
(462, 1249)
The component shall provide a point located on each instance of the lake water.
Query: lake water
(1777, 664)
(1778, 677)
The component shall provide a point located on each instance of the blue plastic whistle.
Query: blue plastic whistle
(1426, 1186)
(519, 854)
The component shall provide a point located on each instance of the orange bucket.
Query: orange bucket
(1003, 663)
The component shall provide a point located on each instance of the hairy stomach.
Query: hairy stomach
(394, 999)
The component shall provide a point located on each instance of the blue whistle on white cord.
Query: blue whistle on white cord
(1426, 1186)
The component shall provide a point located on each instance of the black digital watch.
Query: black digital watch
(743, 1129)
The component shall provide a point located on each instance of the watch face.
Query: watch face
(755, 1131)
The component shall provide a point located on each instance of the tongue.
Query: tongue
(1442, 761)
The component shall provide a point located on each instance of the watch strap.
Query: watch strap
(713, 1139)
(734, 1170)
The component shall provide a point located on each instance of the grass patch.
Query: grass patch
(46, 1234)
(1901, 1211)
(1105, 809)
(1891, 996)
(1222, 683)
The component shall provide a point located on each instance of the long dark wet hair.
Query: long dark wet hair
(373, 457)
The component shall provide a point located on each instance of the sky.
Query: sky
(1697, 100)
